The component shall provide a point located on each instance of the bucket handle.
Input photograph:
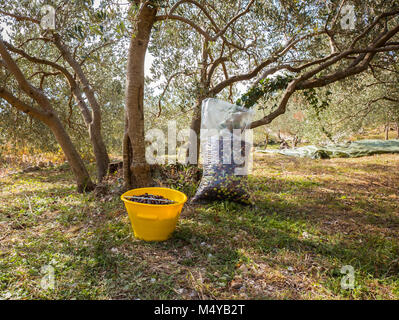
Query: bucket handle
(147, 216)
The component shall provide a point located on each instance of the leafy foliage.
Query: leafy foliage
(313, 100)
(266, 89)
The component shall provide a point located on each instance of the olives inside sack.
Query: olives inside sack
(225, 152)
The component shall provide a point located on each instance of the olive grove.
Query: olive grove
(278, 57)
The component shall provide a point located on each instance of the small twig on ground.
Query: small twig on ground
(5, 236)
(30, 205)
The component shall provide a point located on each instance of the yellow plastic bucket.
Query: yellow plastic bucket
(154, 222)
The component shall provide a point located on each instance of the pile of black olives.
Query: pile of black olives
(221, 180)
(149, 199)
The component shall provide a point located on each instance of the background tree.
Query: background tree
(145, 15)
(78, 40)
(280, 49)
(46, 113)
(350, 53)
(248, 42)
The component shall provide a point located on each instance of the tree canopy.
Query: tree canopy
(286, 59)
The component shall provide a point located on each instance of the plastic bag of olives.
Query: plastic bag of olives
(226, 143)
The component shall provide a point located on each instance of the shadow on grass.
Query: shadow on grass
(103, 260)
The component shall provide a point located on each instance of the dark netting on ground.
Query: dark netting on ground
(226, 147)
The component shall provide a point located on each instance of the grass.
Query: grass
(310, 218)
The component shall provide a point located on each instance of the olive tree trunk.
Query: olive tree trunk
(83, 181)
(194, 138)
(47, 115)
(135, 167)
(203, 93)
(93, 119)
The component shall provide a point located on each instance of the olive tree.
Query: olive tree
(79, 37)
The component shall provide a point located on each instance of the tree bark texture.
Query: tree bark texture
(136, 169)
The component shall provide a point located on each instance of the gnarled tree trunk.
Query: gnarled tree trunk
(386, 129)
(50, 118)
(195, 125)
(47, 115)
(93, 119)
(135, 167)
(194, 138)
(83, 180)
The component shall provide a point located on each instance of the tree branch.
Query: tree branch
(19, 17)
(206, 35)
(38, 60)
(370, 27)
(200, 6)
(94, 50)
(246, 76)
(30, 90)
(215, 64)
(72, 82)
(361, 65)
(305, 81)
(166, 89)
(22, 106)
(87, 89)
(223, 31)
(281, 108)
